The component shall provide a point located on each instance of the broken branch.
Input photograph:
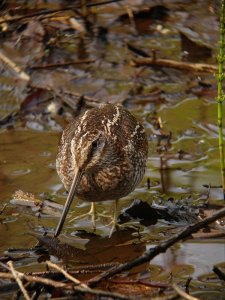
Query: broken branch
(180, 65)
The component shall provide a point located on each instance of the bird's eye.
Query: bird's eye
(94, 144)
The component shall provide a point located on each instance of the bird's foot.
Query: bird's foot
(125, 226)
(113, 228)
(91, 212)
(102, 215)
(116, 227)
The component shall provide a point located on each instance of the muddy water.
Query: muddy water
(28, 163)
(24, 156)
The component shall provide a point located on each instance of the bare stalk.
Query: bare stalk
(220, 96)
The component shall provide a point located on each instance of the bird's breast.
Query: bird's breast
(109, 183)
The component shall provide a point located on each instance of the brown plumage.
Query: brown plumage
(102, 155)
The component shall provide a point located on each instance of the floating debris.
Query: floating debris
(42, 207)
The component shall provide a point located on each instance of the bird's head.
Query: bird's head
(91, 153)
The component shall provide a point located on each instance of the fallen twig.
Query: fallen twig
(141, 282)
(31, 278)
(84, 269)
(49, 66)
(196, 67)
(187, 284)
(65, 286)
(18, 280)
(77, 25)
(67, 275)
(76, 281)
(160, 248)
(219, 273)
(21, 74)
(3, 208)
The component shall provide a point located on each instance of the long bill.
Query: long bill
(69, 200)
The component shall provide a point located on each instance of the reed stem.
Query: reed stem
(220, 96)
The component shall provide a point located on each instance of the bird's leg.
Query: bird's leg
(115, 212)
(114, 220)
(92, 213)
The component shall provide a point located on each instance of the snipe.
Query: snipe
(102, 156)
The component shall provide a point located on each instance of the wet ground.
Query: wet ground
(177, 107)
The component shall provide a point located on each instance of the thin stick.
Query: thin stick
(14, 67)
(183, 294)
(220, 96)
(3, 208)
(84, 269)
(65, 286)
(69, 63)
(160, 248)
(67, 275)
(168, 63)
(187, 284)
(30, 278)
(4, 266)
(219, 273)
(141, 282)
(18, 280)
